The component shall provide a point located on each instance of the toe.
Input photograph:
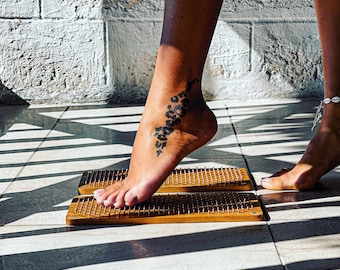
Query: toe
(120, 201)
(111, 199)
(97, 193)
(131, 198)
(276, 181)
(137, 195)
(107, 196)
(269, 183)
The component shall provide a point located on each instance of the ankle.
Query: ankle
(163, 91)
(329, 112)
(331, 118)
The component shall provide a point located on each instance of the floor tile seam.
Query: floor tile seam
(275, 243)
(255, 188)
(239, 145)
(48, 134)
(233, 128)
(278, 242)
(36, 149)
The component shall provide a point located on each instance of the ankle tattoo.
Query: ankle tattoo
(176, 110)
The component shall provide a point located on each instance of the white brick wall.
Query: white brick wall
(59, 51)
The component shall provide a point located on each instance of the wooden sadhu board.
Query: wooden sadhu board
(169, 208)
(180, 180)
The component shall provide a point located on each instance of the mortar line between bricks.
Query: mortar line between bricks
(268, 20)
(19, 18)
(227, 20)
(51, 19)
(251, 46)
(40, 9)
(114, 19)
(106, 52)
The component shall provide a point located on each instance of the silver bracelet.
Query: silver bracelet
(318, 114)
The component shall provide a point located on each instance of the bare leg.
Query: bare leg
(323, 152)
(176, 120)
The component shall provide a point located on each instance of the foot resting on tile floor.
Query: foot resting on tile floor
(321, 156)
(323, 152)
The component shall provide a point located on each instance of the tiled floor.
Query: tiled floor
(45, 149)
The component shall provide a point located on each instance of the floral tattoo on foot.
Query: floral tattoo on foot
(176, 110)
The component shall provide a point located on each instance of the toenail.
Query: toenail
(98, 191)
(266, 179)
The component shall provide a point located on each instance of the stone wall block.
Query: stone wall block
(251, 11)
(290, 56)
(229, 53)
(75, 9)
(133, 9)
(133, 51)
(53, 62)
(228, 57)
(238, 5)
(19, 8)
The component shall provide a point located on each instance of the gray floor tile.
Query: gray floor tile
(46, 149)
(173, 246)
(321, 202)
(308, 244)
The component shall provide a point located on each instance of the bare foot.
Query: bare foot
(173, 125)
(321, 156)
